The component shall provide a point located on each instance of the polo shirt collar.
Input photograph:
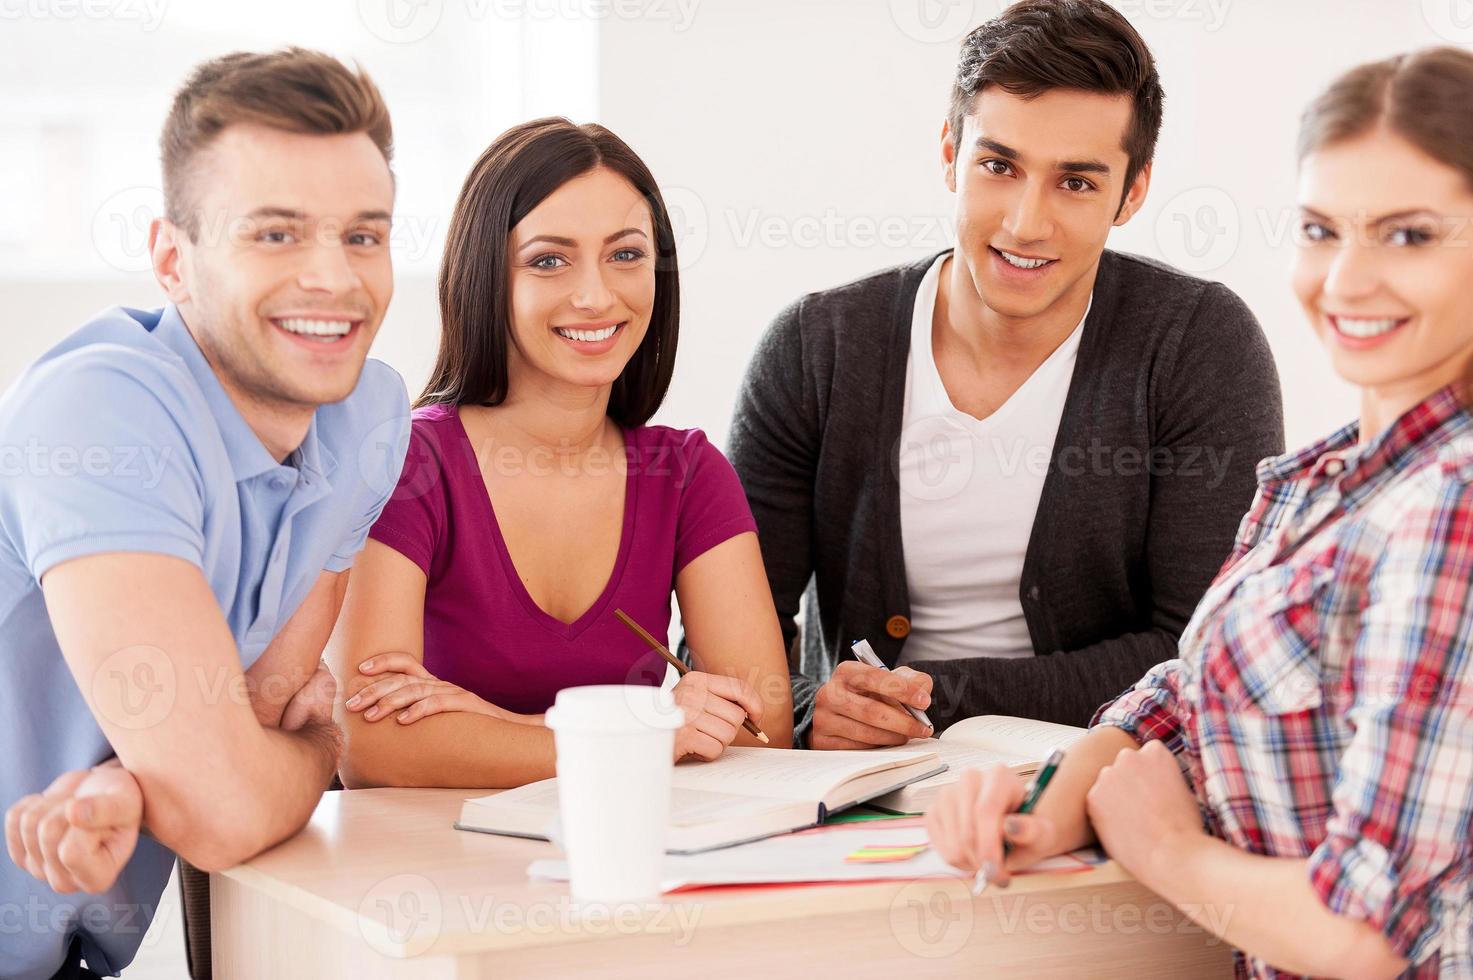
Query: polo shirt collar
(249, 457)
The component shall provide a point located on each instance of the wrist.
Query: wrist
(1172, 859)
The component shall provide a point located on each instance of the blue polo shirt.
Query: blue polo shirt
(121, 438)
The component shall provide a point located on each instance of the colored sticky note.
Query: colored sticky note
(885, 854)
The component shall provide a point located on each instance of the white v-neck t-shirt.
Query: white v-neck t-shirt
(969, 491)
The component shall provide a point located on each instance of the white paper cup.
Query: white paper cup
(615, 745)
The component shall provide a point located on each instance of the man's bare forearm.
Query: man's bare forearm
(271, 789)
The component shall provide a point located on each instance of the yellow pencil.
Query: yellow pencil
(680, 668)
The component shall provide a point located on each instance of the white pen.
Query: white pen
(865, 654)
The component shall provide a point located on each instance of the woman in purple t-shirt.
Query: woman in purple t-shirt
(535, 500)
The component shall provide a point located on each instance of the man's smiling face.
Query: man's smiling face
(1038, 183)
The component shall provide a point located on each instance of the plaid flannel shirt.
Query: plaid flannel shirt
(1322, 702)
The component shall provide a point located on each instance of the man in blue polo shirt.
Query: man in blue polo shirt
(182, 493)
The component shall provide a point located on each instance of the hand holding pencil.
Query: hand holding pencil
(716, 706)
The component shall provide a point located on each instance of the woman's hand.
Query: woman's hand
(969, 821)
(715, 707)
(1142, 810)
(406, 690)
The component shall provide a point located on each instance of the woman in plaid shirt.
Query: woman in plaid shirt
(1321, 709)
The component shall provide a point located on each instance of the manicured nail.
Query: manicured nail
(371, 713)
(366, 665)
(1012, 826)
(403, 715)
(354, 701)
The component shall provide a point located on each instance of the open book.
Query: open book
(744, 795)
(1019, 743)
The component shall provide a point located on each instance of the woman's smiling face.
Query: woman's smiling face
(1384, 266)
(582, 281)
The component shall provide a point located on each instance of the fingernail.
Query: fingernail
(371, 712)
(354, 701)
(989, 871)
(1012, 826)
(924, 701)
(84, 812)
(402, 715)
(366, 665)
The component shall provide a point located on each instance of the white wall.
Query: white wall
(797, 143)
(798, 111)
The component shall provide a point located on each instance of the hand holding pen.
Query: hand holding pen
(986, 815)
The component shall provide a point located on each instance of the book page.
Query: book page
(787, 774)
(688, 806)
(1017, 739)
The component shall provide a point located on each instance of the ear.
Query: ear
(948, 156)
(165, 243)
(1135, 198)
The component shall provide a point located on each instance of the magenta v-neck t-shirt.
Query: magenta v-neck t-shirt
(483, 632)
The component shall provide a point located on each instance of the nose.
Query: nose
(591, 294)
(1353, 273)
(1028, 220)
(326, 269)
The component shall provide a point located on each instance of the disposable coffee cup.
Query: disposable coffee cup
(615, 747)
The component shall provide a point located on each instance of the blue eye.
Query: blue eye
(629, 255)
(547, 262)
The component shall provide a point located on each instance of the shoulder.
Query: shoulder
(865, 303)
(368, 432)
(680, 456)
(379, 401)
(1431, 501)
(1150, 290)
(107, 376)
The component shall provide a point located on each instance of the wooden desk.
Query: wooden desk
(380, 885)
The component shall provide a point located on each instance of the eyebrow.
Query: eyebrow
(292, 214)
(1377, 222)
(1072, 166)
(570, 243)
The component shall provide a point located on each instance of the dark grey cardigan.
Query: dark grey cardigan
(1173, 401)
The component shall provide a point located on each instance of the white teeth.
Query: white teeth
(1022, 263)
(1362, 328)
(588, 336)
(317, 328)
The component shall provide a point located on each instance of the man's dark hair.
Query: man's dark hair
(1037, 45)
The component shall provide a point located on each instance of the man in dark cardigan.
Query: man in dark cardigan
(1142, 396)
